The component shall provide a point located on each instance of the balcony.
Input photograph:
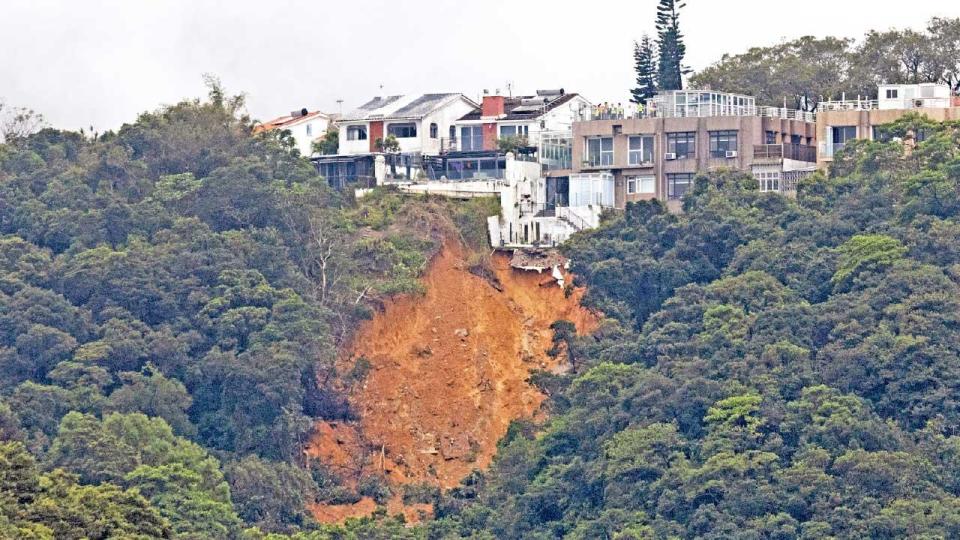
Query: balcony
(779, 152)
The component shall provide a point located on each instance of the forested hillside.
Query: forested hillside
(769, 369)
(172, 297)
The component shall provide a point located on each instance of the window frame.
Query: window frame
(636, 156)
(604, 157)
(359, 133)
(402, 130)
(640, 181)
(720, 142)
(688, 139)
(672, 184)
(434, 130)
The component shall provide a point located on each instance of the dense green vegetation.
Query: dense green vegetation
(785, 72)
(770, 368)
(171, 299)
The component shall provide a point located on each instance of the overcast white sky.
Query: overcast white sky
(101, 62)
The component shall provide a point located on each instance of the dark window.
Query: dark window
(356, 133)
(678, 185)
(453, 132)
(842, 134)
(402, 131)
(796, 139)
(892, 93)
(684, 145)
(722, 142)
(434, 131)
(771, 137)
(514, 131)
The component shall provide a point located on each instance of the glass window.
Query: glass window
(641, 149)
(402, 131)
(600, 151)
(357, 133)
(771, 137)
(309, 130)
(842, 134)
(641, 184)
(434, 131)
(769, 181)
(722, 142)
(684, 145)
(678, 185)
(892, 93)
(471, 138)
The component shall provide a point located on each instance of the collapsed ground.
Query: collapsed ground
(439, 377)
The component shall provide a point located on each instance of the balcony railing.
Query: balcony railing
(703, 111)
(796, 152)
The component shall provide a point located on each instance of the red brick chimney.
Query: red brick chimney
(492, 106)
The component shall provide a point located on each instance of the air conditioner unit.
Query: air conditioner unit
(669, 156)
(918, 103)
(731, 154)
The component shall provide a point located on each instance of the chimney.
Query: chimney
(493, 106)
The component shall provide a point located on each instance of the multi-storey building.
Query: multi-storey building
(841, 121)
(624, 158)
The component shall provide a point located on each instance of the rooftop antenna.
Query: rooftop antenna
(510, 88)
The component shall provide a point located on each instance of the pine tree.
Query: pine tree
(646, 67)
(670, 44)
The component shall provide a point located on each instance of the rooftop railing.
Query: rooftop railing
(849, 105)
(702, 111)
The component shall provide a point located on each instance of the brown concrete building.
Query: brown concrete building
(656, 156)
(844, 120)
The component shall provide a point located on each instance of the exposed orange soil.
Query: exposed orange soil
(449, 373)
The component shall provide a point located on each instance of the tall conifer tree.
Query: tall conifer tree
(644, 56)
(670, 45)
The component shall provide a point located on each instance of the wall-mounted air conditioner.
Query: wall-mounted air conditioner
(669, 156)
(731, 154)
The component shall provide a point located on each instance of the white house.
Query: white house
(499, 117)
(305, 127)
(417, 121)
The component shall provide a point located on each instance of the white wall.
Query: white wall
(352, 148)
(318, 126)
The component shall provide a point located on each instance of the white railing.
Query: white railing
(849, 105)
(700, 112)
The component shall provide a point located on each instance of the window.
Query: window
(684, 145)
(771, 137)
(471, 138)
(892, 93)
(769, 181)
(514, 131)
(722, 142)
(453, 132)
(309, 130)
(678, 185)
(434, 131)
(357, 133)
(600, 151)
(402, 131)
(641, 184)
(842, 134)
(641, 149)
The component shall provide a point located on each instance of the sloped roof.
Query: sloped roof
(407, 107)
(283, 122)
(514, 111)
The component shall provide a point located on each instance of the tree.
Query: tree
(16, 123)
(645, 65)
(784, 73)
(329, 144)
(513, 144)
(670, 45)
(390, 144)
